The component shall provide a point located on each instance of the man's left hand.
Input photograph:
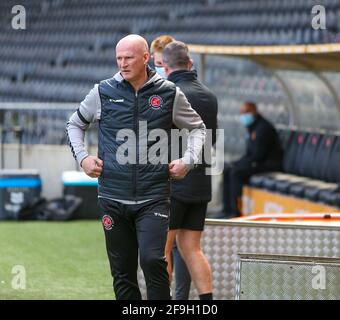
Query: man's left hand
(178, 169)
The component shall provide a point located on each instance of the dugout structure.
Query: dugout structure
(303, 101)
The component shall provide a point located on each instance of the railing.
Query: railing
(40, 123)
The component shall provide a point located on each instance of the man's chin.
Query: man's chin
(126, 75)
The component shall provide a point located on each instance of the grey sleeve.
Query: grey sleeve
(79, 122)
(184, 116)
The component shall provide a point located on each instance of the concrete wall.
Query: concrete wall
(50, 160)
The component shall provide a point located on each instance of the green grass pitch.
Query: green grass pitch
(62, 261)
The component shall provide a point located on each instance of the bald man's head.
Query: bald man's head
(134, 41)
(132, 54)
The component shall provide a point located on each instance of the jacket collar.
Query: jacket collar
(254, 124)
(182, 75)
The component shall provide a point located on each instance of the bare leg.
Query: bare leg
(189, 244)
(168, 248)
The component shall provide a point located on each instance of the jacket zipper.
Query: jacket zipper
(137, 147)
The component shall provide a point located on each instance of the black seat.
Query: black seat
(330, 197)
(316, 166)
(311, 168)
(285, 135)
(313, 191)
(295, 146)
(288, 184)
(332, 173)
(305, 165)
(278, 181)
(305, 162)
(322, 158)
(257, 180)
(292, 163)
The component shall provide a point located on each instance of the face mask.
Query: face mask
(247, 119)
(161, 72)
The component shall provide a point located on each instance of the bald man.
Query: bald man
(133, 189)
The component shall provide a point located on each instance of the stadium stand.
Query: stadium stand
(61, 35)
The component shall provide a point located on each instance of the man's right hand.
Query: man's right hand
(92, 166)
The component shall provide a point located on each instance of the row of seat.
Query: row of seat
(283, 3)
(41, 126)
(72, 74)
(63, 37)
(273, 6)
(251, 37)
(310, 168)
(47, 91)
(247, 21)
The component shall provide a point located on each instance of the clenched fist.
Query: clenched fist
(178, 169)
(92, 166)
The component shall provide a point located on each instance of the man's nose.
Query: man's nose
(124, 63)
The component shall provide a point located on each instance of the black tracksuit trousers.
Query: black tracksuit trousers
(132, 229)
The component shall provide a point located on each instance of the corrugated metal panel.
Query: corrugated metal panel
(288, 278)
(224, 241)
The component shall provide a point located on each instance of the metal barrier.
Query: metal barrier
(282, 277)
(224, 240)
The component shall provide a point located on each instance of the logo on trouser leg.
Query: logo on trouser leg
(107, 222)
(157, 214)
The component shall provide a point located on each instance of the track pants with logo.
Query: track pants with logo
(132, 229)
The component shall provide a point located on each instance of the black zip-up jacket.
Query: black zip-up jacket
(263, 146)
(196, 186)
(121, 113)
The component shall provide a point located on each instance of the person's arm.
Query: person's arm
(184, 116)
(79, 122)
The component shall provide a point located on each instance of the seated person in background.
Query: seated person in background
(263, 154)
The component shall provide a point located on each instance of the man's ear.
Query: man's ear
(166, 69)
(146, 57)
(190, 64)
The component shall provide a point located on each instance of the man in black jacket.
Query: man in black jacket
(190, 196)
(263, 154)
(182, 275)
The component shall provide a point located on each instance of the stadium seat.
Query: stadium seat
(64, 33)
(311, 168)
(330, 197)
